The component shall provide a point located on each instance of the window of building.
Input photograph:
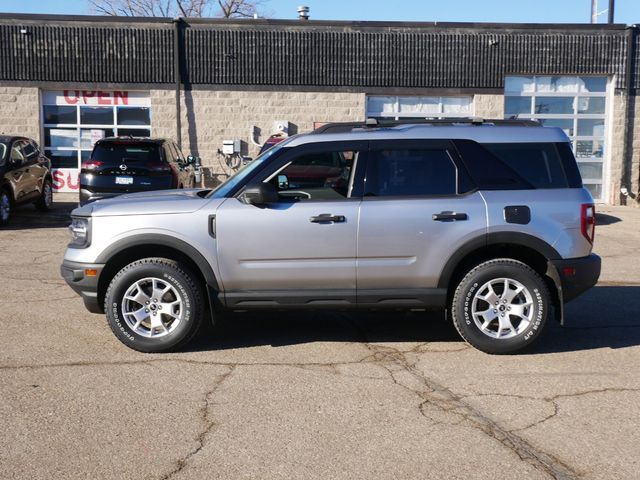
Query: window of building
(575, 104)
(73, 120)
(393, 106)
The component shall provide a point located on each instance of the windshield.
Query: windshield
(223, 189)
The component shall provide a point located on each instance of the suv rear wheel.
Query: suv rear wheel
(154, 305)
(501, 306)
(46, 198)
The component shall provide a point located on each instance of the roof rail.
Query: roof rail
(342, 127)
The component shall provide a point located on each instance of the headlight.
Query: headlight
(80, 232)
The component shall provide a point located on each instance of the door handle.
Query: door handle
(328, 218)
(449, 216)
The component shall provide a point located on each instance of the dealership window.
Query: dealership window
(575, 104)
(394, 106)
(73, 120)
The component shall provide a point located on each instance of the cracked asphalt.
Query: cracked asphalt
(314, 395)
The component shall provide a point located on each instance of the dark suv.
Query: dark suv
(25, 175)
(123, 165)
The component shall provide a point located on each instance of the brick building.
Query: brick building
(67, 81)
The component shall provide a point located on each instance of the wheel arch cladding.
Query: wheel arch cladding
(517, 245)
(128, 250)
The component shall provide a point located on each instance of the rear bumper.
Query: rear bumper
(577, 275)
(86, 286)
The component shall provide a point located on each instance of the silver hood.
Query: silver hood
(157, 202)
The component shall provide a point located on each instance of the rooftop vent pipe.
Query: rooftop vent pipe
(303, 12)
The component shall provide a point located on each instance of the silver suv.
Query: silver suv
(487, 221)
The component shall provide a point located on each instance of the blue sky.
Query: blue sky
(527, 11)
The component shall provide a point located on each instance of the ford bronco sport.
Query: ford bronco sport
(486, 220)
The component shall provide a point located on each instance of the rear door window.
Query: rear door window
(538, 163)
(112, 154)
(30, 153)
(486, 170)
(411, 172)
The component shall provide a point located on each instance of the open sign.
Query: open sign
(97, 98)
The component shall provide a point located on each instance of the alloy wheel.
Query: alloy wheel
(5, 207)
(48, 194)
(502, 308)
(152, 307)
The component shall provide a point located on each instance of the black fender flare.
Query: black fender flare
(495, 238)
(165, 241)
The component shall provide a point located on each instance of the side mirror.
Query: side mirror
(260, 194)
(195, 161)
(283, 182)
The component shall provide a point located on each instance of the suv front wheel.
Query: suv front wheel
(154, 305)
(501, 306)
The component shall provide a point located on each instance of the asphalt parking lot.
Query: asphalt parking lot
(324, 395)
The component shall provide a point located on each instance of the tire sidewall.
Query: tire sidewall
(178, 279)
(476, 279)
(41, 203)
(47, 187)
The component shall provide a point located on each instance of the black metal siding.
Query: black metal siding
(316, 54)
(416, 60)
(86, 54)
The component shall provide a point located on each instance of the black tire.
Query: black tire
(6, 206)
(475, 284)
(46, 198)
(185, 288)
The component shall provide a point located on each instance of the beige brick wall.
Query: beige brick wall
(635, 157)
(619, 123)
(488, 106)
(20, 111)
(615, 146)
(163, 113)
(211, 116)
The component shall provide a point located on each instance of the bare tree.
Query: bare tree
(240, 8)
(183, 8)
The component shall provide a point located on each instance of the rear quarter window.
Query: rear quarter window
(539, 164)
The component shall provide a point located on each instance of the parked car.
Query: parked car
(25, 176)
(124, 164)
(488, 221)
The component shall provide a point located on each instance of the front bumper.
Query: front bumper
(84, 285)
(577, 275)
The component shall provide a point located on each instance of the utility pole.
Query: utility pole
(612, 6)
(595, 13)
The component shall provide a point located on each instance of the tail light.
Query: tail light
(91, 164)
(159, 167)
(165, 168)
(588, 221)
